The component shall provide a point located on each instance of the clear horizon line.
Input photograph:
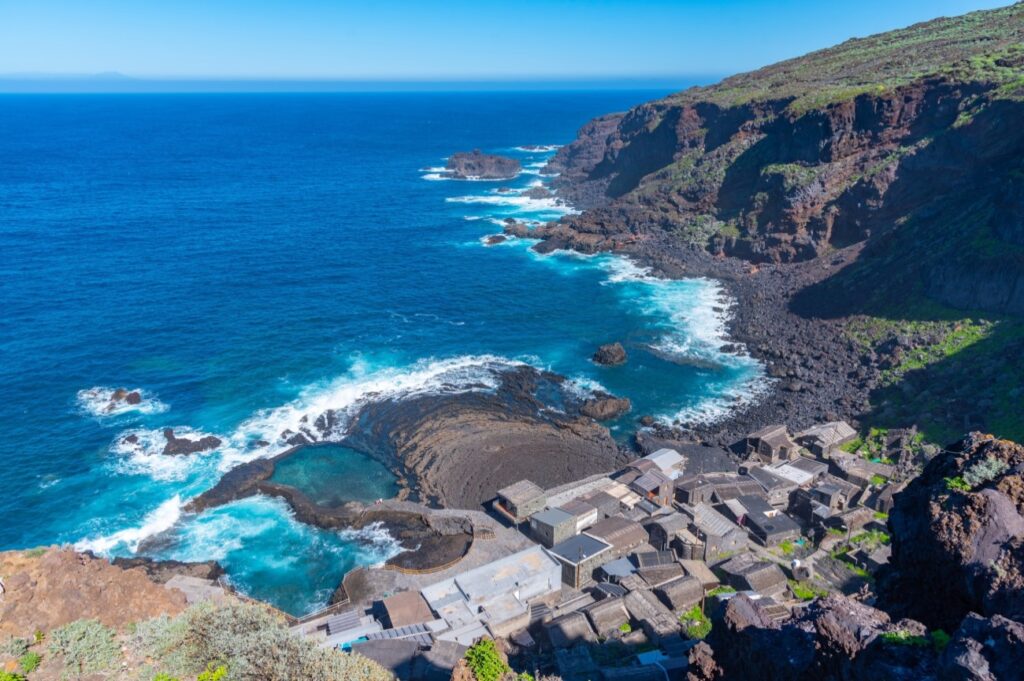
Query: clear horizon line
(518, 78)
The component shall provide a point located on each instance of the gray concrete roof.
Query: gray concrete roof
(579, 548)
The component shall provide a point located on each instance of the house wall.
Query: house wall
(549, 535)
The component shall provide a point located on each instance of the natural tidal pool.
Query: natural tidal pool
(331, 475)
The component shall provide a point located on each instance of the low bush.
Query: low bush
(905, 638)
(695, 623)
(243, 642)
(625, 627)
(29, 662)
(11, 676)
(87, 647)
(213, 673)
(957, 484)
(14, 647)
(485, 662)
(983, 471)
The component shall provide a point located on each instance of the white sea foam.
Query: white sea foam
(145, 455)
(160, 520)
(539, 148)
(516, 200)
(343, 396)
(379, 545)
(97, 401)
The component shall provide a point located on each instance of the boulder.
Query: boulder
(605, 407)
(610, 354)
(984, 649)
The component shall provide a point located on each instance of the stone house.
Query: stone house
(771, 445)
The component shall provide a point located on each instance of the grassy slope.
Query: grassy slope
(965, 367)
(985, 45)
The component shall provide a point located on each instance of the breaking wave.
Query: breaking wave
(163, 518)
(99, 401)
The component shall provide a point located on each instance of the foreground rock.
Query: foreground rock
(958, 535)
(477, 165)
(610, 354)
(183, 446)
(985, 650)
(834, 638)
(48, 590)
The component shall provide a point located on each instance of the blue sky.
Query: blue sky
(397, 40)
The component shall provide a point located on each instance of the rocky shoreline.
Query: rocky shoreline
(817, 373)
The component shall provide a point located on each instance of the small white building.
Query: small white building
(496, 595)
(669, 462)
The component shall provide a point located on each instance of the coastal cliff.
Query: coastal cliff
(817, 188)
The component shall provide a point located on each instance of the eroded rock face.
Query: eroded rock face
(61, 586)
(478, 165)
(183, 446)
(958, 535)
(610, 354)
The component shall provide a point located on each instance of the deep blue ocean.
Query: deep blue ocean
(245, 260)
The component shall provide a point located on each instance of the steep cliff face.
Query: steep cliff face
(838, 147)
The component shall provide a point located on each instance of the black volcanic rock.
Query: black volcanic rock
(833, 638)
(182, 446)
(610, 354)
(475, 164)
(958, 535)
(605, 407)
(985, 650)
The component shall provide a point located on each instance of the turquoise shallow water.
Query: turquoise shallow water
(250, 260)
(331, 474)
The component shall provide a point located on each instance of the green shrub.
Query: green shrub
(905, 638)
(11, 676)
(983, 471)
(957, 484)
(940, 639)
(695, 623)
(213, 674)
(29, 662)
(252, 642)
(625, 627)
(14, 647)
(87, 647)
(724, 589)
(805, 592)
(485, 662)
(165, 677)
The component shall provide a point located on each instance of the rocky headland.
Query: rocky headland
(816, 187)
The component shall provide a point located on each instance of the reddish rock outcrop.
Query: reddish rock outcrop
(46, 591)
